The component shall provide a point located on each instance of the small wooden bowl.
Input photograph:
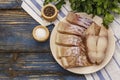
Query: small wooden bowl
(53, 17)
(40, 39)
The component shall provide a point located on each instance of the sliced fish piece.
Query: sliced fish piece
(103, 32)
(102, 44)
(94, 29)
(64, 51)
(78, 20)
(100, 57)
(91, 43)
(68, 40)
(68, 28)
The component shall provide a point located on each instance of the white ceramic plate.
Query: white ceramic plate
(89, 69)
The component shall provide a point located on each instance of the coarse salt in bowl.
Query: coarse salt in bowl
(40, 33)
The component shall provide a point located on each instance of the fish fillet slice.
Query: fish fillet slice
(78, 61)
(78, 20)
(96, 42)
(68, 28)
(64, 51)
(68, 40)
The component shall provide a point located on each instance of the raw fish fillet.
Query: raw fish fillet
(68, 28)
(78, 20)
(96, 43)
(64, 51)
(68, 40)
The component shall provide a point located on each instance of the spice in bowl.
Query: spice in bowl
(40, 33)
(49, 12)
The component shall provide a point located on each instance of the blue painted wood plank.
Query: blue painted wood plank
(16, 27)
(10, 4)
(44, 77)
(16, 33)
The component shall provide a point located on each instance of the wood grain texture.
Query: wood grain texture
(10, 4)
(44, 77)
(35, 66)
(21, 57)
(16, 33)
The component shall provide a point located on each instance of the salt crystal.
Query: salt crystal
(40, 33)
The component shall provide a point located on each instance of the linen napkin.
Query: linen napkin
(33, 7)
(112, 70)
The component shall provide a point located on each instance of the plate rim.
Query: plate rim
(70, 69)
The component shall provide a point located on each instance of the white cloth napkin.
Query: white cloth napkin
(33, 7)
(112, 70)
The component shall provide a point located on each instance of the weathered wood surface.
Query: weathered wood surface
(34, 65)
(16, 33)
(21, 57)
(10, 4)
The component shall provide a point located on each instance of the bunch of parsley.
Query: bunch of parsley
(102, 8)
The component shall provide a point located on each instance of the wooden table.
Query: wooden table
(21, 57)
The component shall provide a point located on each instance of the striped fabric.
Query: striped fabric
(112, 70)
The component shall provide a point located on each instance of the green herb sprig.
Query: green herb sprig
(102, 8)
(58, 5)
